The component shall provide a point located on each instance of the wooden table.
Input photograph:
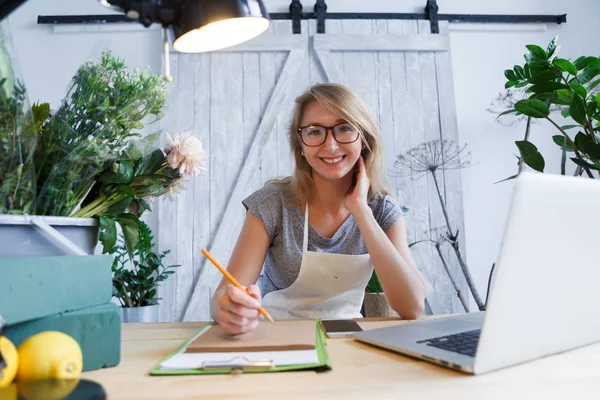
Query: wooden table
(359, 371)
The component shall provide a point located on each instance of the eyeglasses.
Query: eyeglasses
(316, 135)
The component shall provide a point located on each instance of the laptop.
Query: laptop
(544, 297)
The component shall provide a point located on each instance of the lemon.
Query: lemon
(9, 353)
(9, 392)
(49, 355)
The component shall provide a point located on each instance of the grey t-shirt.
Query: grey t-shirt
(285, 227)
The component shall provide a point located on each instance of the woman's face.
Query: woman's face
(331, 160)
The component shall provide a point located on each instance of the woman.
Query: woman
(320, 232)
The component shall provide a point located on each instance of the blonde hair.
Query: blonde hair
(345, 103)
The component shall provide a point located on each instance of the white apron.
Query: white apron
(328, 286)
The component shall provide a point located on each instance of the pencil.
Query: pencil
(231, 279)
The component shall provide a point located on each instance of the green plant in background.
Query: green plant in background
(136, 279)
(17, 136)
(572, 87)
(17, 143)
(104, 110)
(90, 159)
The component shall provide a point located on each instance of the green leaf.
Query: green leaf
(564, 66)
(560, 140)
(544, 76)
(584, 164)
(540, 66)
(131, 231)
(591, 86)
(421, 241)
(124, 173)
(511, 111)
(153, 190)
(538, 51)
(510, 75)
(582, 140)
(563, 97)
(533, 108)
(108, 234)
(151, 163)
(547, 87)
(520, 72)
(552, 49)
(374, 286)
(578, 88)
(597, 98)
(125, 190)
(591, 108)
(592, 150)
(565, 113)
(577, 110)
(147, 180)
(510, 84)
(588, 74)
(530, 155)
(40, 111)
(144, 205)
(567, 127)
(583, 62)
(119, 207)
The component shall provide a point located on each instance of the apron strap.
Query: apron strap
(305, 240)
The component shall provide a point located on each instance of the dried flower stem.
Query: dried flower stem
(454, 285)
(453, 240)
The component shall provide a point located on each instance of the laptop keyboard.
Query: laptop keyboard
(463, 343)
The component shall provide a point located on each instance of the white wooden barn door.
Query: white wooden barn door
(238, 102)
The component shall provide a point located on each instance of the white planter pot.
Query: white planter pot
(37, 236)
(376, 305)
(139, 314)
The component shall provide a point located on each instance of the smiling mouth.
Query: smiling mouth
(332, 161)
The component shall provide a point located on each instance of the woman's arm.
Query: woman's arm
(402, 283)
(231, 307)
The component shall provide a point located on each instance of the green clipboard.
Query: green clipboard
(324, 363)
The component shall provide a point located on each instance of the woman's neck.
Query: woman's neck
(329, 195)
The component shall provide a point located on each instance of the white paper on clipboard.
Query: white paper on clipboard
(185, 361)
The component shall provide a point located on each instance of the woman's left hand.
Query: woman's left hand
(357, 198)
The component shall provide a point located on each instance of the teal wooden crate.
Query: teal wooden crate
(36, 287)
(96, 329)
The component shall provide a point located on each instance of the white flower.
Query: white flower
(185, 153)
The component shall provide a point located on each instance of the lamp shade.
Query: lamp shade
(208, 25)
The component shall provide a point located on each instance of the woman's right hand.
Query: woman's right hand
(238, 311)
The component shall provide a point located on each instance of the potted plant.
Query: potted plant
(553, 83)
(136, 278)
(96, 130)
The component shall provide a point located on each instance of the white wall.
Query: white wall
(480, 55)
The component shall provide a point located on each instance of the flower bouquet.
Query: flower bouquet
(89, 157)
